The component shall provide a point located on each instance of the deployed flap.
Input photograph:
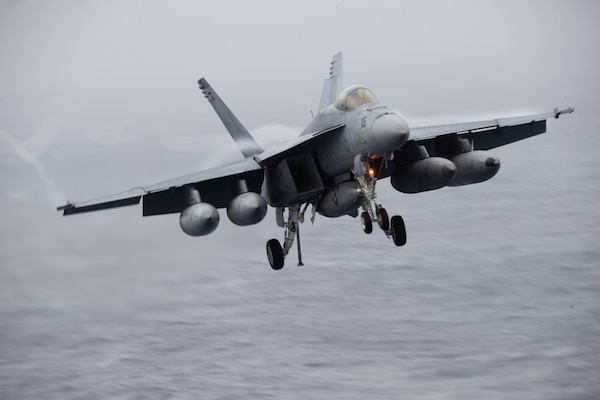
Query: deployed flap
(238, 132)
(127, 198)
(216, 186)
(334, 84)
(485, 135)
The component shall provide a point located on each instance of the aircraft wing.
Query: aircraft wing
(217, 186)
(485, 135)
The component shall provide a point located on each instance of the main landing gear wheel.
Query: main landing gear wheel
(275, 254)
(366, 222)
(398, 230)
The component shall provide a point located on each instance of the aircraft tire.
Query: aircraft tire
(366, 222)
(398, 230)
(275, 254)
(382, 219)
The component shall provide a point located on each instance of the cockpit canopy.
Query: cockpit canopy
(354, 96)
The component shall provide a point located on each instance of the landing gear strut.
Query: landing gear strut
(277, 253)
(364, 174)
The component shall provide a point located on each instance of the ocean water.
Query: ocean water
(495, 296)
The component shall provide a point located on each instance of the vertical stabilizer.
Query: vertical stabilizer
(240, 135)
(334, 85)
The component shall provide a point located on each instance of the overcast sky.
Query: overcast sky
(100, 96)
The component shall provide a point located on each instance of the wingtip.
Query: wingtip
(558, 113)
(67, 206)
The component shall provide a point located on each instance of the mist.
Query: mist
(495, 295)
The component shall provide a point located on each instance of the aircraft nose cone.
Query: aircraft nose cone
(390, 131)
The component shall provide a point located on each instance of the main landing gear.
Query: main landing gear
(372, 212)
(275, 252)
(365, 176)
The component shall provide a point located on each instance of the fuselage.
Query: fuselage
(369, 128)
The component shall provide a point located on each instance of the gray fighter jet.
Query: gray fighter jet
(333, 166)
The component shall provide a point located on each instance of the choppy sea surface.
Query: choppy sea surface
(495, 296)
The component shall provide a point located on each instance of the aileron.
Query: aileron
(128, 198)
(489, 134)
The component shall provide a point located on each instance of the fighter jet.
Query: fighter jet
(333, 166)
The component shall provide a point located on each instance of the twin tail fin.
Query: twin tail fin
(244, 140)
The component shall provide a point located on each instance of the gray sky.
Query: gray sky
(97, 97)
(85, 80)
(100, 96)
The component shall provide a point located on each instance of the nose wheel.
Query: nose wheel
(381, 217)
